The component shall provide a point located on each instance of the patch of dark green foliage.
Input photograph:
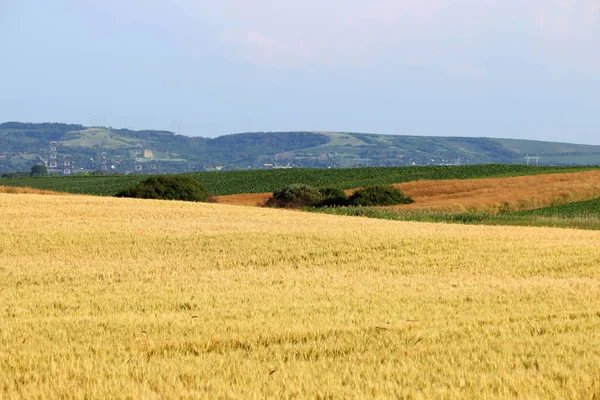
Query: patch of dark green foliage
(333, 197)
(167, 187)
(379, 195)
(297, 195)
(305, 196)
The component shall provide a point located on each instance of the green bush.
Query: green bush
(379, 195)
(333, 197)
(39, 170)
(167, 187)
(301, 195)
(295, 196)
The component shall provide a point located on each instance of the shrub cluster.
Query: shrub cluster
(333, 197)
(379, 195)
(167, 187)
(295, 196)
(302, 196)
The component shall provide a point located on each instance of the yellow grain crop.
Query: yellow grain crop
(125, 298)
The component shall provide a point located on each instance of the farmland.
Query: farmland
(503, 194)
(543, 200)
(586, 208)
(258, 181)
(555, 217)
(560, 200)
(26, 190)
(517, 193)
(117, 298)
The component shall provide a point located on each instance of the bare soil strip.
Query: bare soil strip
(246, 199)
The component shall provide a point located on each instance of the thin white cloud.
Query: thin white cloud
(255, 46)
(317, 33)
(314, 32)
(569, 33)
(353, 32)
(348, 32)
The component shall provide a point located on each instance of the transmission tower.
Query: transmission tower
(67, 165)
(138, 158)
(103, 161)
(536, 158)
(53, 164)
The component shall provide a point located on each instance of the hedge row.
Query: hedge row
(303, 196)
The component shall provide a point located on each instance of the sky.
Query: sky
(482, 68)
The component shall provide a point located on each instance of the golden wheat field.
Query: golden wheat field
(120, 298)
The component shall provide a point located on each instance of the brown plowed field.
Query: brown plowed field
(514, 193)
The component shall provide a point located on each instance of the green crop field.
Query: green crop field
(580, 215)
(579, 209)
(258, 181)
(93, 185)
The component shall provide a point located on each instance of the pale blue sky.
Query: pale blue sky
(496, 68)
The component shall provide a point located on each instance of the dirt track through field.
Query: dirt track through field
(513, 193)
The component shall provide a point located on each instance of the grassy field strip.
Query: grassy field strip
(117, 298)
(582, 215)
(579, 209)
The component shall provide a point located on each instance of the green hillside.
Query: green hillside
(23, 145)
(554, 153)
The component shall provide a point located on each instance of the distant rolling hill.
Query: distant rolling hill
(23, 145)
